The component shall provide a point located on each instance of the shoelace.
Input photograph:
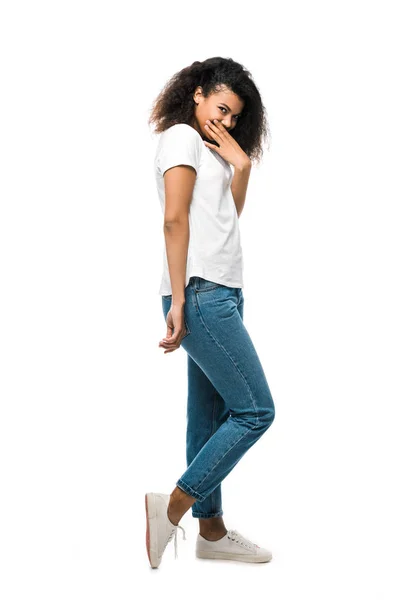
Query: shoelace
(174, 532)
(239, 539)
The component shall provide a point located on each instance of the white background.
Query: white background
(92, 410)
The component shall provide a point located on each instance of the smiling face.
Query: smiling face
(225, 106)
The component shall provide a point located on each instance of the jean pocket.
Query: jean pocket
(204, 285)
(187, 329)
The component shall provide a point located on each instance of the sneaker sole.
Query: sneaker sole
(151, 514)
(229, 556)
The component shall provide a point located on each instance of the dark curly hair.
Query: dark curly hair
(175, 102)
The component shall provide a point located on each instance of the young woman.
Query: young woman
(211, 122)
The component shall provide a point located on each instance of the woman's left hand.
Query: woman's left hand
(228, 148)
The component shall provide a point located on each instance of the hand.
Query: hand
(228, 148)
(175, 323)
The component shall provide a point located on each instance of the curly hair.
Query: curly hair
(175, 103)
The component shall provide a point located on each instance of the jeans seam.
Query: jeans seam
(211, 515)
(213, 424)
(213, 430)
(207, 289)
(189, 490)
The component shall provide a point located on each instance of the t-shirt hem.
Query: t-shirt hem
(167, 292)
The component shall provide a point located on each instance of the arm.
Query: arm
(179, 183)
(239, 185)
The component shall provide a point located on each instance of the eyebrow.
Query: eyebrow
(228, 107)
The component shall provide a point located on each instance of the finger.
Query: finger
(174, 338)
(170, 340)
(212, 129)
(170, 333)
(215, 128)
(213, 147)
(209, 131)
(221, 129)
(170, 346)
(165, 344)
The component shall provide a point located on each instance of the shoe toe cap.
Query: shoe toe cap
(264, 553)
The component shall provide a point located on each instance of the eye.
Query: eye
(223, 108)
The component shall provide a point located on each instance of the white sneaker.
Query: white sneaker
(159, 529)
(233, 546)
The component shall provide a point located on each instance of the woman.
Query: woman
(209, 116)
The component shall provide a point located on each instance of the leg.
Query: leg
(206, 411)
(221, 346)
(205, 414)
(180, 502)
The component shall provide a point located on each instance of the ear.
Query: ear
(198, 92)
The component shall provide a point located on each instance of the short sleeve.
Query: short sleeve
(179, 145)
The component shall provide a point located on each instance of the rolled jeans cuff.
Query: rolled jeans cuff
(186, 488)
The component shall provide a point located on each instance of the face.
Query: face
(225, 106)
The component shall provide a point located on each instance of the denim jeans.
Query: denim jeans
(229, 404)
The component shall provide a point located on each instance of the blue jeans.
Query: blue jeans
(229, 402)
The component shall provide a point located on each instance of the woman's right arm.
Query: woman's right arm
(179, 183)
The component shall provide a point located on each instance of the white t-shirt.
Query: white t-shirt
(214, 250)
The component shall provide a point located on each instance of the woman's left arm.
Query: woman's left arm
(239, 185)
(230, 150)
